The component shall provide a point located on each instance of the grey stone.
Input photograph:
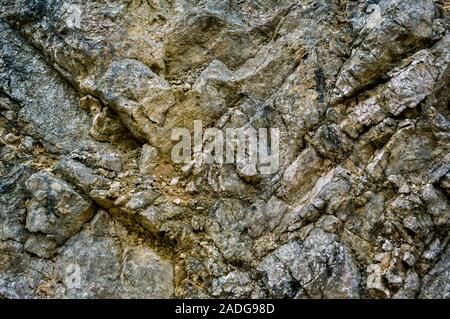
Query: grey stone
(54, 102)
(80, 175)
(13, 194)
(437, 204)
(436, 284)
(90, 92)
(277, 278)
(153, 218)
(307, 264)
(410, 287)
(90, 265)
(141, 200)
(228, 221)
(148, 160)
(55, 209)
(41, 245)
(394, 28)
(235, 284)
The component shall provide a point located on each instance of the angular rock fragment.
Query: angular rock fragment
(13, 194)
(320, 267)
(55, 209)
(406, 89)
(95, 264)
(137, 94)
(93, 206)
(148, 160)
(299, 178)
(80, 175)
(394, 29)
(437, 283)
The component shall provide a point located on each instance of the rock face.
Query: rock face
(318, 267)
(93, 206)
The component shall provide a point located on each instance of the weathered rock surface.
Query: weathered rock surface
(318, 267)
(55, 208)
(93, 206)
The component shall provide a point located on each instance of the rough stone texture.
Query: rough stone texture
(92, 206)
(319, 267)
(436, 282)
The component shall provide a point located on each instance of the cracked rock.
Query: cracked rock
(349, 201)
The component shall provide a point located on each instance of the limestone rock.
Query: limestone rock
(89, 265)
(436, 283)
(13, 194)
(320, 267)
(352, 95)
(55, 208)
